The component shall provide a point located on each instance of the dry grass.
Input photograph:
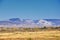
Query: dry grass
(41, 35)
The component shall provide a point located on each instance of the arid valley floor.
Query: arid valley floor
(40, 35)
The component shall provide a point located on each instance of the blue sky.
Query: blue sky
(30, 9)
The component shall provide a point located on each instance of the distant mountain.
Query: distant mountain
(30, 23)
(15, 20)
(56, 21)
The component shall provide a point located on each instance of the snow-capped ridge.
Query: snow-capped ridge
(30, 23)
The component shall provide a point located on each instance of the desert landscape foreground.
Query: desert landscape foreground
(40, 35)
